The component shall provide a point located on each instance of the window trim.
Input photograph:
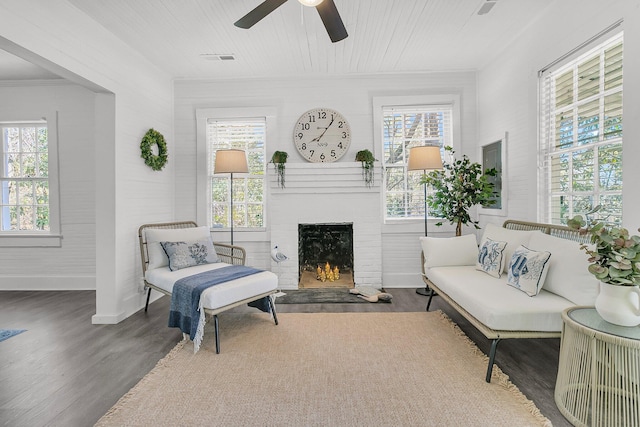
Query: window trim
(379, 103)
(52, 237)
(202, 116)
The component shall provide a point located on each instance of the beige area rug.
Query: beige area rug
(327, 369)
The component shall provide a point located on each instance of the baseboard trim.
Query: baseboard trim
(47, 283)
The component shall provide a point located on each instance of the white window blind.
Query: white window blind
(405, 127)
(247, 134)
(581, 133)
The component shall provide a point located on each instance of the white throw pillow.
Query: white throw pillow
(157, 256)
(187, 254)
(491, 257)
(528, 269)
(514, 238)
(449, 251)
(568, 269)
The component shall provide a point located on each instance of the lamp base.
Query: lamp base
(426, 291)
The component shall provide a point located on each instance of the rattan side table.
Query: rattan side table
(598, 380)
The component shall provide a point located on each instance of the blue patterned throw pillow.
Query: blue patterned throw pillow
(491, 257)
(187, 254)
(528, 269)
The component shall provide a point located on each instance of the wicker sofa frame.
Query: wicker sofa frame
(492, 334)
(230, 254)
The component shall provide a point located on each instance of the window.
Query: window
(581, 135)
(404, 127)
(24, 177)
(240, 128)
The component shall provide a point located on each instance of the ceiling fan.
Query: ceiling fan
(326, 9)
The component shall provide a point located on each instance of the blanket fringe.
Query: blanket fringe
(197, 340)
(498, 376)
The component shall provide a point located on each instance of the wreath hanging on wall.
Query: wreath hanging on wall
(154, 161)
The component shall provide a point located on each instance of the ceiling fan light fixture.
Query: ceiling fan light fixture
(310, 3)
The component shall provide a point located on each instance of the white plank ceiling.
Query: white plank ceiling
(385, 36)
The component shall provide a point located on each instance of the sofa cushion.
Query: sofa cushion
(514, 238)
(528, 269)
(497, 305)
(449, 251)
(568, 275)
(157, 256)
(491, 257)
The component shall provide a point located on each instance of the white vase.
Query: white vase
(619, 305)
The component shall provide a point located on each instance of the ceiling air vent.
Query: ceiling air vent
(218, 56)
(486, 7)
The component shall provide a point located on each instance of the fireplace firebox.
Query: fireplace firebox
(325, 254)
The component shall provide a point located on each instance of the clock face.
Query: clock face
(322, 135)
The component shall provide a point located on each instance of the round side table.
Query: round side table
(598, 380)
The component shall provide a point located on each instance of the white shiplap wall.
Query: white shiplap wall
(131, 96)
(350, 95)
(71, 266)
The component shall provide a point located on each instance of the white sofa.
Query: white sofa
(482, 293)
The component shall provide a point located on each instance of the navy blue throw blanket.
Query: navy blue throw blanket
(185, 298)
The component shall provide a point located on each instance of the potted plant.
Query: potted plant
(367, 159)
(459, 185)
(614, 258)
(278, 159)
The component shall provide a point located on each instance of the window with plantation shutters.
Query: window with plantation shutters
(581, 134)
(248, 134)
(404, 127)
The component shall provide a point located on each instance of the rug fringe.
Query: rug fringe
(497, 374)
(124, 399)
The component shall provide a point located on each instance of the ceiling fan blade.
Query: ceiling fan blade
(332, 21)
(262, 10)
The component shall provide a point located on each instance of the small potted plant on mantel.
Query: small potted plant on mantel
(614, 258)
(459, 185)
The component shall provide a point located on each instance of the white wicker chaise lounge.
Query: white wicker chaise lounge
(158, 276)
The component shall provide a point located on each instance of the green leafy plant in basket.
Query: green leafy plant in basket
(367, 160)
(458, 186)
(279, 158)
(615, 256)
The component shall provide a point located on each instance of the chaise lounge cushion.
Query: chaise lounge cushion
(157, 256)
(497, 305)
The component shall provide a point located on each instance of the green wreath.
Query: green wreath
(151, 138)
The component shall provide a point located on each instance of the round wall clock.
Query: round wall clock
(322, 135)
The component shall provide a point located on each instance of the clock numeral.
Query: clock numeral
(340, 125)
(311, 151)
(322, 115)
(344, 135)
(322, 156)
(305, 126)
(303, 146)
(312, 119)
(300, 135)
(333, 153)
(340, 145)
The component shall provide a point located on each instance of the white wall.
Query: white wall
(131, 96)
(507, 95)
(352, 96)
(71, 266)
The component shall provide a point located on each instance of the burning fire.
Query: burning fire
(328, 273)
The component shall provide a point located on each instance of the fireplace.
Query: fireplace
(325, 255)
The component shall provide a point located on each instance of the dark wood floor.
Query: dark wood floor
(64, 371)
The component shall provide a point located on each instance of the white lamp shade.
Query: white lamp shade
(231, 161)
(424, 158)
(310, 2)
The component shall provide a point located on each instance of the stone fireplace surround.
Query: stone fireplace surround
(327, 193)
